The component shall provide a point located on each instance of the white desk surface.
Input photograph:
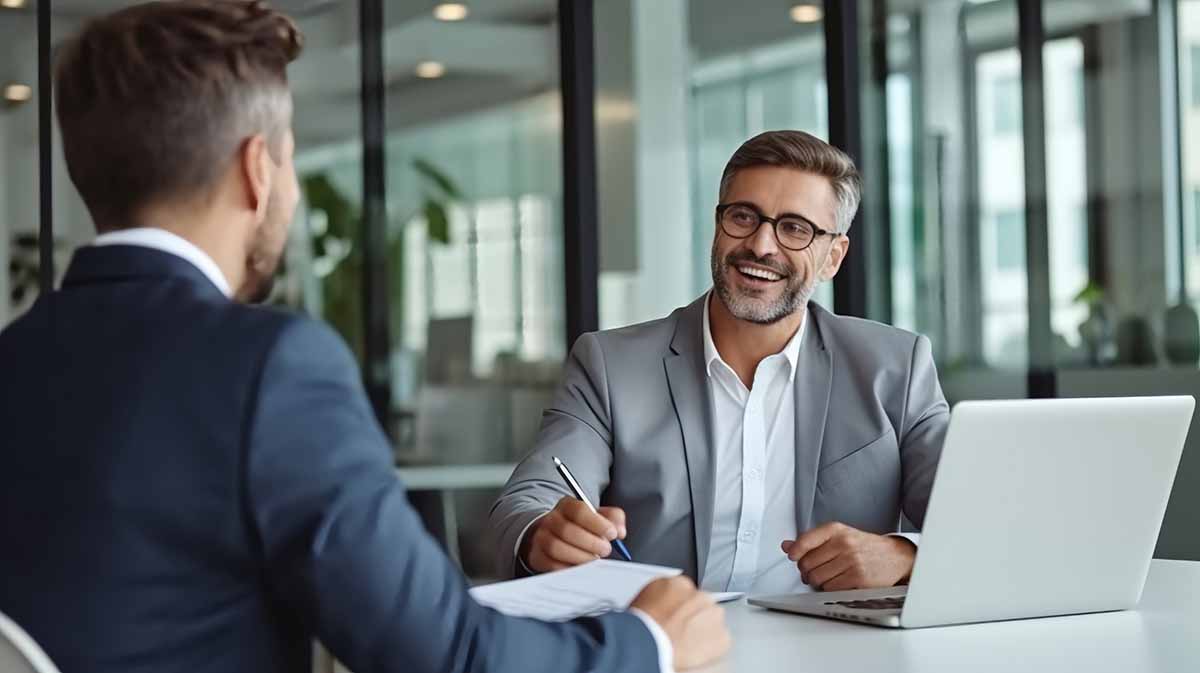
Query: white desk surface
(455, 477)
(1161, 635)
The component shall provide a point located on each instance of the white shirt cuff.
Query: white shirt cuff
(914, 538)
(666, 651)
(521, 538)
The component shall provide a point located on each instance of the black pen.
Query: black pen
(574, 486)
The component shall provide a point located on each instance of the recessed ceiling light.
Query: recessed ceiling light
(451, 11)
(18, 93)
(12, 4)
(806, 14)
(430, 70)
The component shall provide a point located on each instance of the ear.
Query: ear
(833, 260)
(258, 170)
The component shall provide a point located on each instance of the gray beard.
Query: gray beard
(794, 297)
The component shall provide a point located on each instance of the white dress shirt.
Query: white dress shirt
(754, 507)
(165, 241)
(755, 501)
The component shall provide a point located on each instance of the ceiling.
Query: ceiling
(505, 50)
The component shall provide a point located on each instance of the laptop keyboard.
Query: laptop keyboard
(889, 603)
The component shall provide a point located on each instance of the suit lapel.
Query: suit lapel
(814, 382)
(690, 396)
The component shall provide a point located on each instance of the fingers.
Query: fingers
(691, 619)
(819, 557)
(541, 563)
(845, 581)
(580, 514)
(661, 598)
(577, 536)
(709, 639)
(617, 516)
(706, 638)
(821, 576)
(812, 539)
(558, 549)
(696, 604)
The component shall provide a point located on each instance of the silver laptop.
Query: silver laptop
(1039, 508)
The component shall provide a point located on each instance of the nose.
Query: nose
(763, 242)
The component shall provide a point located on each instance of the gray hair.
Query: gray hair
(805, 152)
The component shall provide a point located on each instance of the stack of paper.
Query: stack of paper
(590, 589)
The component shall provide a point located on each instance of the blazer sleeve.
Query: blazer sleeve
(926, 418)
(344, 551)
(578, 429)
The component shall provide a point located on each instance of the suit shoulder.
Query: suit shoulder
(269, 318)
(292, 330)
(269, 333)
(862, 335)
(640, 337)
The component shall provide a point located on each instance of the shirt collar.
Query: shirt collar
(791, 351)
(165, 241)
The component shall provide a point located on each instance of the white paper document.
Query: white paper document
(590, 589)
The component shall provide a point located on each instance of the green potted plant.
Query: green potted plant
(1096, 331)
(338, 259)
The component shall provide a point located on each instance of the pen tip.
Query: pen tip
(556, 460)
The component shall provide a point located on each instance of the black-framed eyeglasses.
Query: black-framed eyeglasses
(794, 232)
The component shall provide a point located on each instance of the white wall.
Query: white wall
(944, 104)
(647, 258)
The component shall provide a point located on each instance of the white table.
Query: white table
(1162, 635)
(445, 479)
(455, 477)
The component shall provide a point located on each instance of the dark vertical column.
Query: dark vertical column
(845, 132)
(580, 240)
(376, 340)
(880, 294)
(970, 303)
(1031, 37)
(1093, 125)
(45, 152)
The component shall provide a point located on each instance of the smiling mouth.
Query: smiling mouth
(759, 275)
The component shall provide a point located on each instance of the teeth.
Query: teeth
(759, 273)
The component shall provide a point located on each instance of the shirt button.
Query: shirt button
(756, 473)
(747, 535)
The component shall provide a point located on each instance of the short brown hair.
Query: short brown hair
(805, 152)
(154, 101)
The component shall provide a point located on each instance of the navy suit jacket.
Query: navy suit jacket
(189, 484)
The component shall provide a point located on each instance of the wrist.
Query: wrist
(524, 543)
(905, 553)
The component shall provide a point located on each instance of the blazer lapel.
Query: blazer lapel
(814, 382)
(690, 396)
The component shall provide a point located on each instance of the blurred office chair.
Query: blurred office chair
(18, 652)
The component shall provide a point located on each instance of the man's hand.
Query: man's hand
(836, 557)
(692, 620)
(571, 535)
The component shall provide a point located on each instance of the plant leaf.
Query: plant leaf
(1092, 293)
(438, 221)
(437, 177)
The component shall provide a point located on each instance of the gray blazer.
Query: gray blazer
(633, 421)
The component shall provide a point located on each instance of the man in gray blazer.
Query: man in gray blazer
(752, 438)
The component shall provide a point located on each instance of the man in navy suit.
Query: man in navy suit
(191, 484)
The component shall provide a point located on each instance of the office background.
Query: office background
(484, 181)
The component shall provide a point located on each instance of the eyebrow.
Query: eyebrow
(781, 216)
